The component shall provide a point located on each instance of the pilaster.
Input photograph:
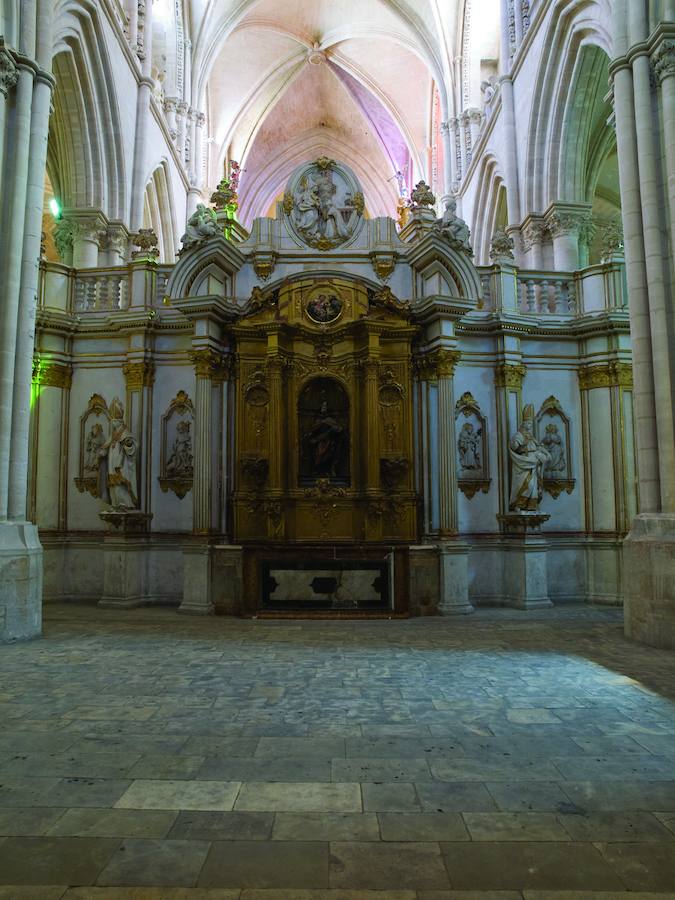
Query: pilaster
(508, 379)
(139, 373)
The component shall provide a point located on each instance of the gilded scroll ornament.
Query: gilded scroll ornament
(611, 374)
(139, 374)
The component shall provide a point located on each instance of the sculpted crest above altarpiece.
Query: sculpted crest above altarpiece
(324, 204)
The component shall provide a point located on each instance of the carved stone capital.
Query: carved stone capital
(52, 374)
(445, 127)
(509, 375)
(139, 374)
(210, 364)
(534, 230)
(437, 364)
(611, 374)
(201, 119)
(63, 233)
(663, 60)
(116, 240)
(8, 71)
(475, 116)
(567, 219)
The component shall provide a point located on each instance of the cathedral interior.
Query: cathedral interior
(337, 449)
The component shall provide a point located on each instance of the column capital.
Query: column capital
(611, 374)
(210, 364)
(534, 230)
(437, 364)
(9, 74)
(663, 60)
(139, 374)
(566, 218)
(52, 374)
(509, 375)
(445, 127)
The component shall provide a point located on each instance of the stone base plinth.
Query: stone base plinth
(649, 580)
(525, 563)
(126, 581)
(453, 561)
(20, 581)
(197, 580)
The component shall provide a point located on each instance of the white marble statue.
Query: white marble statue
(528, 460)
(553, 443)
(180, 462)
(93, 444)
(117, 472)
(455, 229)
(201, 226)
(468, 444)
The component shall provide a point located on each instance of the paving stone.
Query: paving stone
(113, 823)
(510, 866)
(223, 826)
(515, 826)
(457, 797)
(422, 827)
(266, 864)
(149, 893)
(140, 861)
(54, 860)
(641, 866)
(371, 770)
(293, 769)
(35, 821)
(390, 797)
(264, 797)
(469, 895)
(99, 792)
(326, 895)
(32, 892)
(145, 794)
(614, 795)
(326, 827)
(292, 747)
(387, 866)
(491, 768)
(173, 766)
(528, 796)
(615, 826)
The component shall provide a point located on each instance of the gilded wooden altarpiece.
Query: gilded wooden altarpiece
(323, 431)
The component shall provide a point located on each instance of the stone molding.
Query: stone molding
(611, 374)
(139, 374)
(509, 375)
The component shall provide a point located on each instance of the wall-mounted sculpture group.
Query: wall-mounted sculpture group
(473, 464)
(553, 429)
(176, 455)
(108, 455)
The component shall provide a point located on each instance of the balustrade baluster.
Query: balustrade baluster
(531, 295)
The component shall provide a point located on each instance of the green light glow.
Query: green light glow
(55, 208)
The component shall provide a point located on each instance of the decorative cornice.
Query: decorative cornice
(52, 374)
(210, 364)
(509, 375)
(139, 374)
(562, 218)
(611, 374)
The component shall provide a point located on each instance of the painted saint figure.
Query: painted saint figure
(528, 459)
(117, 472)
(326, 439)
(468, 444)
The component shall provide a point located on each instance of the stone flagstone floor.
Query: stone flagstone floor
(503, 756)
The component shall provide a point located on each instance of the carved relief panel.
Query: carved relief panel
(473, 464)
(553, 429)
(94, 434)
(176, 451)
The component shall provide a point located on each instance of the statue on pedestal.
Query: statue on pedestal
(528, 460)
(201, 226)
(117, 473)
(454, 229)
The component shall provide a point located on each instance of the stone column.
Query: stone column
(181, 127)
(143, 96)
(463, 121)
(453, 552)
(211, 371)
(139, 372)
(455, 152)
(50, 405)
(88, 234)
(448, 160)
(663, 59)
(196, 179)
(568, 223)
(509, 376)
(170, 106)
